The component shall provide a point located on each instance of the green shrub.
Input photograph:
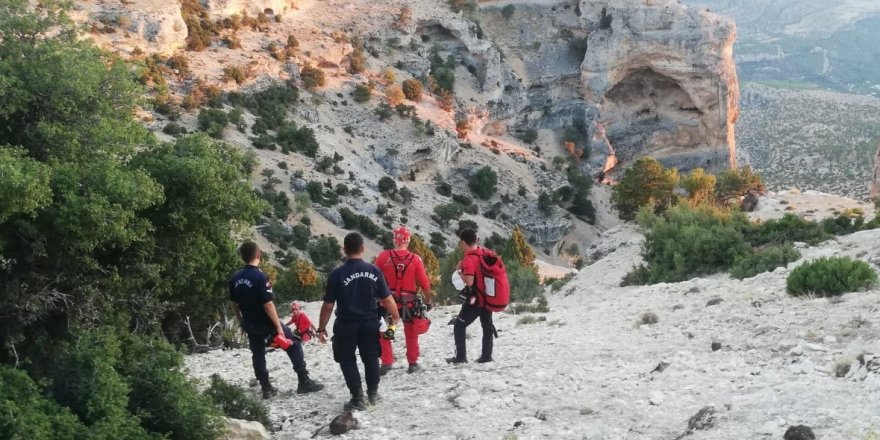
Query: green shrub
(384, 111)
(789, 229)
(444, 77)
(269, 106)
(732, 184)
(387, 185)
(362, 223)
(362, 93)
(301, 282)
(25, 413)
(443, 188)
(507, 11)
(235, 402)
(412, 89)
(646, 182)
(213, 121)
(173, 129)
(530, 136)
(830, 277)
(524, 282)
(325, 251)
(446, 212)
(764, 260)
(301, 140)
(313, 77)
(484, 182)
(688, 242)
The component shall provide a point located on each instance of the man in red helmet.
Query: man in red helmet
(403, 270)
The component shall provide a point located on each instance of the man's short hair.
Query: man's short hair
(248, 251)
(353, 243)
(468, 236)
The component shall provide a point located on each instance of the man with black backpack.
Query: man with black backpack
(404, 273)
(485, 291)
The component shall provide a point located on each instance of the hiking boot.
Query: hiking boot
(456, 360)
(484, 359)
(413, 368)
(308, 385)
(373, 397)
(384, 369)
(269, 391)
(357, 402)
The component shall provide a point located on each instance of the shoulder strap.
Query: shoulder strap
(400, 269)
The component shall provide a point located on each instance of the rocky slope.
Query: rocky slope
(657, 75)
(726, 359)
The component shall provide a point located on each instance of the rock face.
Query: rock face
(663, 77)
(875, 181)
(225, 8)
(245, 430)
(154, 27)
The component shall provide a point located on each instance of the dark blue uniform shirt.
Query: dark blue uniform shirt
(250, 288)
(354, 287)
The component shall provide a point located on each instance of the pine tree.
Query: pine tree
(432, 264)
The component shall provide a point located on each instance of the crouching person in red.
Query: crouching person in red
(300, 323)
(404, 272)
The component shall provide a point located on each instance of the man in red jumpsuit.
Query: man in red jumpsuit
(300, 323)
(403, 270)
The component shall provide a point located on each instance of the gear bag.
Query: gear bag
(492, 284)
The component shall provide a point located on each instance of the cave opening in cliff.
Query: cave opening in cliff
(647, 111)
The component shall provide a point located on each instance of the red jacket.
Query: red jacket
(403, 269)
(302, 323)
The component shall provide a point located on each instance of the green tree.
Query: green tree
(736, 183)
(484, 182)
(645, 183)
(699, 185)
(325, 252)
(300, 282)
(446, 212)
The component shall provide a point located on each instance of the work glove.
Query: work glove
(389, 334)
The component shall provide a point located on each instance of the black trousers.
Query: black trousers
(361, 336)
(466, 316)
(257, 342)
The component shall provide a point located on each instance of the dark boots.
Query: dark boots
(306, 384)
(268, 390)
(357, 402)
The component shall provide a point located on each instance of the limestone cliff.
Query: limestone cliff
(663, 77)
(153, 27)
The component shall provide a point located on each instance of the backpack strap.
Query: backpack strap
(400, 270)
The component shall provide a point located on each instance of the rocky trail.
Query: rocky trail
(726, 359)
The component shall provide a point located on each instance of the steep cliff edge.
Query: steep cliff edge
(663, 77)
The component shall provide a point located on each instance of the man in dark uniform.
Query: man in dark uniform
(356, 286)
(251, 294)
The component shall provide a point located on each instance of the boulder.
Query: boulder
(245, 430)
(664, 78)
(154, 27)
(331, 214)
(343, 423)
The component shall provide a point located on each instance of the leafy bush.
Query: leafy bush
(234, 73)
(645, 183)
(764, 260)
(830, 277)
(325, 251)
(412, 89)
(301, 140)
(313, 77)
(699, 185)
(444, 77)
(173, 129)
(213, 121)
(301, 282)
(530, 136)
(384, 111)
(446, 212)
(688, 242)
(362, 93)
(362, 223)
(387, 185)
(394, 95)
(357, 60)
(484, 182)
(443, 188)
(269, 105)
(235, 402)
(790, 228)
(26, 414)
(508, 11)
